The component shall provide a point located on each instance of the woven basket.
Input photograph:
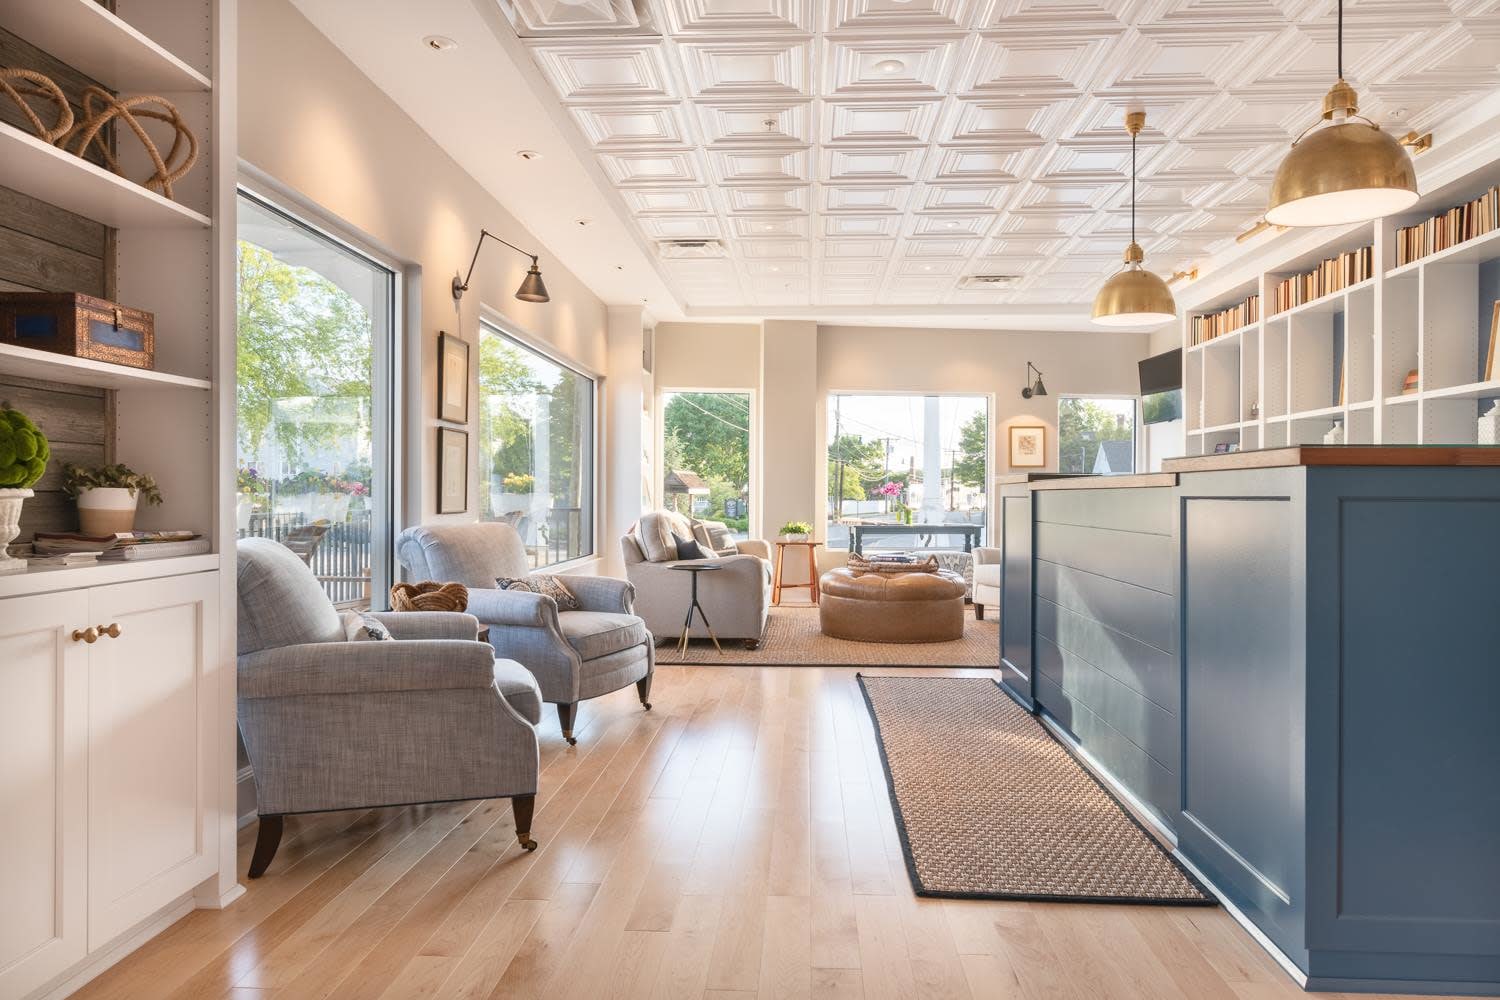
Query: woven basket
(429, 595)
(859, 565)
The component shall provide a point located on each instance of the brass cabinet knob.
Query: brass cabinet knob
(112, 630)
(87, 635)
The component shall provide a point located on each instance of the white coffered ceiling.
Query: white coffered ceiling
(867, 153)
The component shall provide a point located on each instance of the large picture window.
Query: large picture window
(536, 448)
(316, 332)
(919, 464)
(1095, 435)
(706, 457)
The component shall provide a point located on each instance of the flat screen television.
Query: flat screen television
(1161, 387)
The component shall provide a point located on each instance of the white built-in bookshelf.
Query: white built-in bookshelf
(1289, 377)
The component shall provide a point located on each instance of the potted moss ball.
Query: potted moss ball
(107, 496)
(23, 458)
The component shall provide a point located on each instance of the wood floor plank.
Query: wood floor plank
(738, 841)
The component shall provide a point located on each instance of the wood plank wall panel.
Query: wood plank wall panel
(44, 248)
(16, 52)
(1106, 620)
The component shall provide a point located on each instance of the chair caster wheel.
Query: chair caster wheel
(527, 844)
(646, 705)
(572, 740)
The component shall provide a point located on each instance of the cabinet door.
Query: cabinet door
(151, 748)
(43, 775)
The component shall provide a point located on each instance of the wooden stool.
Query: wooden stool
(812, 572)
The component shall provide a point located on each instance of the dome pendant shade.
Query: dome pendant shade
(532, 289)
(1134, 297)
(1350, 172)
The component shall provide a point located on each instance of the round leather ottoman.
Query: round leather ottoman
(892, 607)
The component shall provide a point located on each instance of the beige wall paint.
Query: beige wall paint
(1165, 339)
(708, 356)
(311, 121)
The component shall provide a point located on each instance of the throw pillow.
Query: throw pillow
(720, 538)
(688, 548)
(362, 627)
(655, 535)
(544, 584)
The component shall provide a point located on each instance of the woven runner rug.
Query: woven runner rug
(793, 639)
(990, 806)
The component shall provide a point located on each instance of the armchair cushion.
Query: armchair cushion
(597, 633)
(518, 686)
(281, 603)
(365, 668)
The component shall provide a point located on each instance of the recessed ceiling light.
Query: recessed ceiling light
(775, 268)
(890, 66)
(440, 43)
(528, 154)
(584, 222)
(927, 267)
(950, 224)
(769, 227)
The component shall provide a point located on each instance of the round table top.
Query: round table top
(692, 566)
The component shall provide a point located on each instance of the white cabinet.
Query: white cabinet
(151, 753)
(107, 797)
(43, 788)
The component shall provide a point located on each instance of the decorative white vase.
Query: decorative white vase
(802, 537)
(106, 510)
(10, 528)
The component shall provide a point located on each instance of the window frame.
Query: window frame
(388, 369)
(1135, 440)
(494, 322)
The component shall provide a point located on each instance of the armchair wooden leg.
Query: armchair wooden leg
(267, 839)
(566, 712)
(643, 688)
(524, 806)
(979, 612)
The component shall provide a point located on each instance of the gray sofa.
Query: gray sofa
(332, 724)
(575, 655)
(737, 598)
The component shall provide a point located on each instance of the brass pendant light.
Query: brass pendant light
(1347, 172)
(1134, 296)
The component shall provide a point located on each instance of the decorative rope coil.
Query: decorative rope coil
(44, 88)
(100, 107)
(429, 595)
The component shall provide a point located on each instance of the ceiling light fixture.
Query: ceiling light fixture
(890, 66)
(1348, 172)
(532, 288)
(440, 43)
(528, 154)
(1033, 388)
(1134, 296)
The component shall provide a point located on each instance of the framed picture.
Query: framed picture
(1028, 447)
(1222, 448)
(453, 378)
(1489, 358)
(453, 471)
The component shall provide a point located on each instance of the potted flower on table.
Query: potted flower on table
(794, 531)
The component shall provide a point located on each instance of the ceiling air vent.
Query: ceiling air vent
(691, 249)
(991, 281)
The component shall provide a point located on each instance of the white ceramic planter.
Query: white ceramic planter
(106, 510)
(793, 538)
(10, 527)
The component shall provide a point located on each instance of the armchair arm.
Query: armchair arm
(986, 555)
(754, 547)
(601, 593)
(513, 607)
(429, 624)
(365, 667)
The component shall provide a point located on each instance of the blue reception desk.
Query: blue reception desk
(1291, 660)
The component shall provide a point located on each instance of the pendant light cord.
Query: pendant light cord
(1132, 187)
(1341, 39)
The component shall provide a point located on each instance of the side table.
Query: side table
(687, 624)
(812, 571)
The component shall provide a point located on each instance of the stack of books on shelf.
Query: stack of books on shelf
(1463, 222)
(74, 549)
(1332, 275)
(1226, 320)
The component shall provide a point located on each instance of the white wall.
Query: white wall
(311, 121)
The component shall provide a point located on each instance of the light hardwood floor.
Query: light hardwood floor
(737, 842)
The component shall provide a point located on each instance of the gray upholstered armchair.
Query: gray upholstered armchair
(575, 655)
(332, 724)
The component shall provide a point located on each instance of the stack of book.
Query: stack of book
(1225, 321)
(1463, 222)
(1332, 275)
(71, 548)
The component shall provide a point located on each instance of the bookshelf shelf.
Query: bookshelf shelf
(1477, 249)
(1410, 397)
(1474, 390)
(1321, 413)
(103, 46)
(49, 174)
(30, 363)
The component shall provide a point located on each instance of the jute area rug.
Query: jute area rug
(793, 639)
(990, 806)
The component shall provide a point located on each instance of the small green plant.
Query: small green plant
(24, 451)
(796, 528)
(103, 477)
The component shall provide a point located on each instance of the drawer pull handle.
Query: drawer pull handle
(112, 630)
(88, 635)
